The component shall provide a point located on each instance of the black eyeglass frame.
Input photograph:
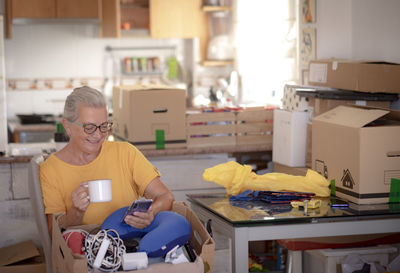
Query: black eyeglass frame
(92, 130)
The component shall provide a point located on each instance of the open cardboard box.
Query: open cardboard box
(359, 148)
(21, 257)
(64, 261)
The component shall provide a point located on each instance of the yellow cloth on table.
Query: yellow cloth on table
(237, 178)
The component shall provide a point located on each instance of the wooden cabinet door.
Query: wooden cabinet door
(78, 9)
(176, 18)
(32, 8)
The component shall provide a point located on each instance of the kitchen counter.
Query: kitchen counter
(208, 150)
(17, 128)
(14, 159)
(19, 152)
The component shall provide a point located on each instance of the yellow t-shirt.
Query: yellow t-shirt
(121, 162)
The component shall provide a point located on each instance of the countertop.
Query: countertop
(18, 127)
(207, 150)
(15, 159)
(168, 152)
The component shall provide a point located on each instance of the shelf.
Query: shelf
(142, 73)
(217, 63)
(216, 8)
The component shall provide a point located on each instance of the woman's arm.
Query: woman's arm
(161, 195)
(162, 200)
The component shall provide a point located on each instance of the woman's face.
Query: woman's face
(88, 143)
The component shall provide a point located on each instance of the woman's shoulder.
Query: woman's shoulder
(49, 162)
(120, 146)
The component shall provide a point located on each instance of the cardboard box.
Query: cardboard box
(330, 260)
(358, 147)
(289, 137)
(66, 262)
(150, 117)
(321, 106)
(21, 257)
(355, 75)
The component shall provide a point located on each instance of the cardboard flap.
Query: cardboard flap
(18, 252)
(351, 116)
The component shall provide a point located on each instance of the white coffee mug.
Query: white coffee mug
(100, 190)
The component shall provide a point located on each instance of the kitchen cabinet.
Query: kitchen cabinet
(51, 9)
(209, 11)
(166, 19)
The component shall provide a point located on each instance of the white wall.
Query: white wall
(333, 29)
(67, 50)
(358, 29)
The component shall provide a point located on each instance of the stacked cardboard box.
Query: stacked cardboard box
(358, 148)
(355, 147)
(365, 76)
(150, 117)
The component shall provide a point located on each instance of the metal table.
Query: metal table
(252, 221)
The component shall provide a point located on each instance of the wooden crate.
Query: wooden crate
(210, 129)
(254, 126)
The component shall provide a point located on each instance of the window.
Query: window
(266, 42)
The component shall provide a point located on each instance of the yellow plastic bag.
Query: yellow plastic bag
(237, 178)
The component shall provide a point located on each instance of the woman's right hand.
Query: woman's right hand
(80, 197)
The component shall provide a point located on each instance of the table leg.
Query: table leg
(240, 250)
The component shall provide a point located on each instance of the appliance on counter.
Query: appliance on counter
(3, 105)
(33, 128)
(37, 119)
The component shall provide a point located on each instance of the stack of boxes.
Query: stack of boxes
(357, 147)
(155, 117)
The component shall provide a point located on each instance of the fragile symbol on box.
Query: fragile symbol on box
(347, 179)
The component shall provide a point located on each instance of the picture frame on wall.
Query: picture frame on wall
(307, 46)
(308, 11)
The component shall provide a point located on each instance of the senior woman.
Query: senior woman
(89, 156)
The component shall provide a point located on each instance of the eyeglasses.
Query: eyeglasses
(90, 128)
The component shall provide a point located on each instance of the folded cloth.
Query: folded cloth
(272, 197)
(237, 178)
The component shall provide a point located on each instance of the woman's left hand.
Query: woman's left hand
(140, 219)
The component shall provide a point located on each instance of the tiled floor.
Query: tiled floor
(222, 261)
(222, 256)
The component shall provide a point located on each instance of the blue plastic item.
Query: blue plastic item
(167, 230)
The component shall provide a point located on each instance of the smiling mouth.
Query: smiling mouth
(93, 141)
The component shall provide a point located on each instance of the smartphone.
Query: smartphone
(141, 205)
(339, 203)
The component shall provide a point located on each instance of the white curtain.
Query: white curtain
(265, 33)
